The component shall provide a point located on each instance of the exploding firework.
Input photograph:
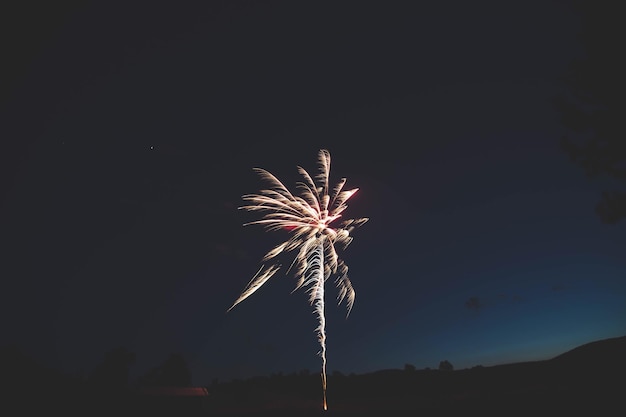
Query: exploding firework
(308, 217)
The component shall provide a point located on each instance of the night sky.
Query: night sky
(129, 134)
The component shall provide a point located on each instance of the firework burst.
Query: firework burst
(308, 217)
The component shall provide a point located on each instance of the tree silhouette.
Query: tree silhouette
(173, 372)
(593, 108)
(445, 366)
(112, 373)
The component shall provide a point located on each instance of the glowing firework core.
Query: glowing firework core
(307, 217)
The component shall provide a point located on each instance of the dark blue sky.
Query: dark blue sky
(131, 133)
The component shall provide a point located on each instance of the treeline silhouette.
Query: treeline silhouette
(589, 379)
(31, 387)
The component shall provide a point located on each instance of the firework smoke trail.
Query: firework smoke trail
(308, 218)
(317, 294)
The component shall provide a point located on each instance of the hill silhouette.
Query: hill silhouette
(607, 351)
(588, 379)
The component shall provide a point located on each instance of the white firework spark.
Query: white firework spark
(308, 216)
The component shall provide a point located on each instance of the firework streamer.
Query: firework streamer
(308, 217)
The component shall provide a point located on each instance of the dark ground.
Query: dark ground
(589, 380)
